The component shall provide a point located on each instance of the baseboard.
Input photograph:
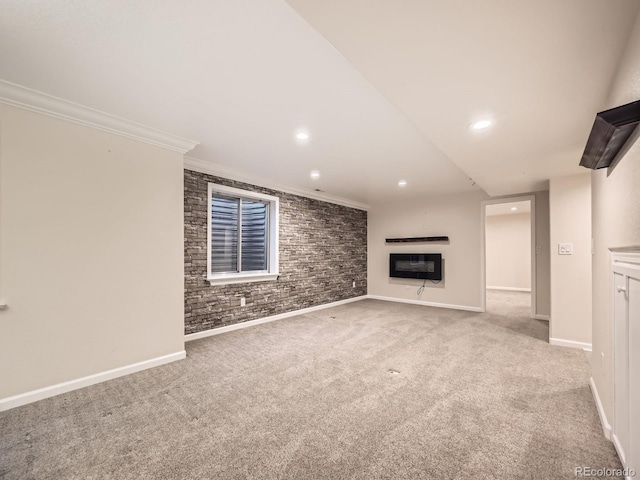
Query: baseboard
(53, 390)
(616, 444)
(425, 303)
(542, 317)
(606, 426)
(559, 342)
(258, 321)
(510, 289)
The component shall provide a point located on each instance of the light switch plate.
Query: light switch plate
(565, 249)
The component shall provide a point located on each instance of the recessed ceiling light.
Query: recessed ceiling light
(402, 183)
(513, 209)
(479, 125)
(302, 135)
(315, 174)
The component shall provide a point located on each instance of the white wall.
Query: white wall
(570, 215)
(456, 216)
(508, 251)
(459, 217)
(542, 301)
(91, 251)
(615, 220)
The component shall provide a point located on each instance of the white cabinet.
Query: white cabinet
(626, 350)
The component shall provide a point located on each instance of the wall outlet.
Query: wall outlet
(242, 302)
(565, 249)
(354, 284)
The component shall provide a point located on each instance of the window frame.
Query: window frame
(273, 204)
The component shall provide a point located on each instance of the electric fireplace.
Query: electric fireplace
(426, 266)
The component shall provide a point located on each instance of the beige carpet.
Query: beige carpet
(479, 396)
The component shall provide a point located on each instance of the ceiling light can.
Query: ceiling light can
(481, 124)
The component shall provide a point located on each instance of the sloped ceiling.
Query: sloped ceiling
(540, 69)
(386, 90)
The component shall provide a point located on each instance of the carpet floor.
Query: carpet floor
(366, 390)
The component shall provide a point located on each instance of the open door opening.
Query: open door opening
(509, 256)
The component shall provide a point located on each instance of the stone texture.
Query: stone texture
(323, 249)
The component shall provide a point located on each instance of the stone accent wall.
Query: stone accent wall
(323, 249)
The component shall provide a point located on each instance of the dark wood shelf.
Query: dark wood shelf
(417, 239)
(609, 135)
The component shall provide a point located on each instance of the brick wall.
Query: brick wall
(323, 249)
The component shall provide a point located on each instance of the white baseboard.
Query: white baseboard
(53, 390)
(619, 450)
(542, 317)
(606, 426)
(510, 289)
(425, 303)
(559, 342)
(258, 321)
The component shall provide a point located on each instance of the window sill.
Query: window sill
(242, 278)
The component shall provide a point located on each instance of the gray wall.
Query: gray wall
(323, 249)
(543, 254)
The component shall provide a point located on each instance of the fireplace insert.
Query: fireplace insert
(426, 266)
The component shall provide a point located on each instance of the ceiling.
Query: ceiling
(385, 92)
(508, 208)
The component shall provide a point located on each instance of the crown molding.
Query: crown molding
(210, 168)
(39, 102)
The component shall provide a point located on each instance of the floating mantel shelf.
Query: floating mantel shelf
(417, 239)
(612, 134)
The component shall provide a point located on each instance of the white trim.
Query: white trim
(53, 390)
(508, 289)
(425, 303)
(229, 278)
(239, 192)
(625, 262)
(542, 317)
(43, 103)
(483, 253)
(258, 321)
(560, 342)
(202, 166)
(606, 426)
(619, 450)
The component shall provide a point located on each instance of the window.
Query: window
(242, 236)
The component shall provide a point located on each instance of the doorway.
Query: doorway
(508, 273)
